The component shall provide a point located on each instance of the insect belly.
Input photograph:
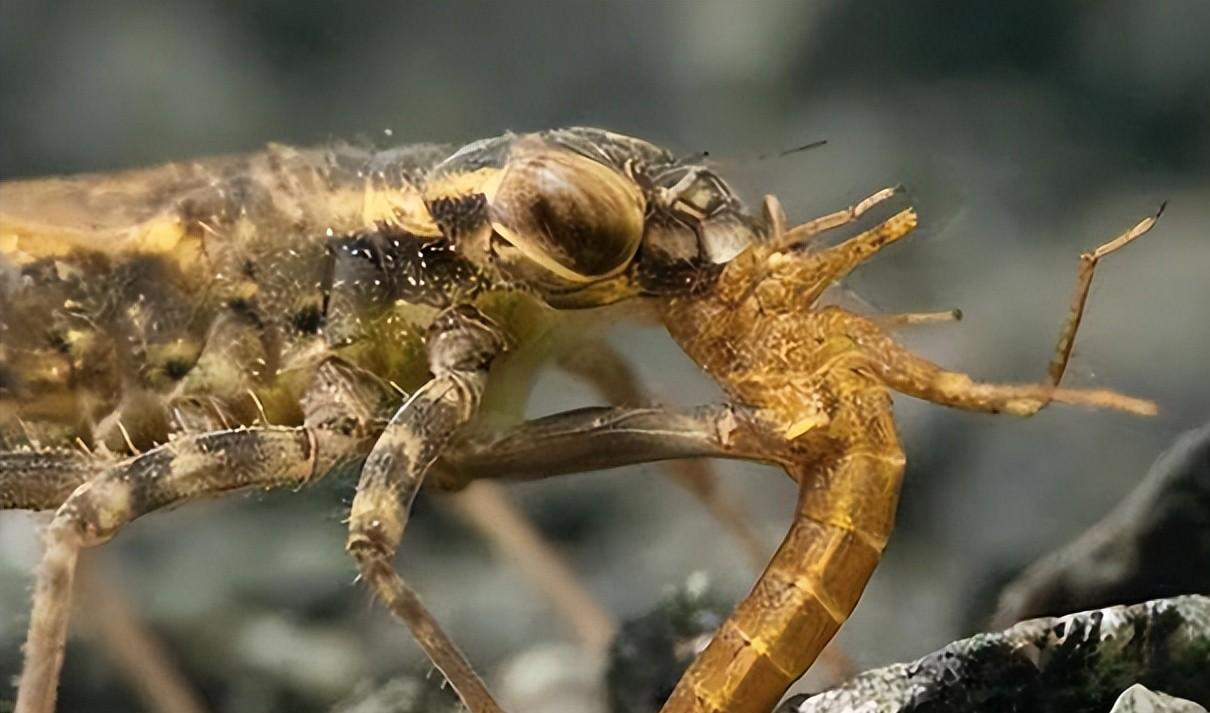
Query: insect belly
(82, 332)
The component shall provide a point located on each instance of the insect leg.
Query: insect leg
(1088, 263)
(185, 469)
(608, 372)
(783, 238)
(461, 346)
(774, 275)
(42, 480)
(912, 319)
(343, 394)
(595, 439)
(916, 376)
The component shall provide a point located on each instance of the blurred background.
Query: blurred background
(1025, 133)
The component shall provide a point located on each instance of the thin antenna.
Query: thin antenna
(703, 155)
(792, 151)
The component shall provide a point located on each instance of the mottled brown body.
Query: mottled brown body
(204, 294)
(165, 297)
(809, 376)
(249, 322)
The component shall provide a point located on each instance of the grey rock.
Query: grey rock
(1070, 664)
(1139, 699)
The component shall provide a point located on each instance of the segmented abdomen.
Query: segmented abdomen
(847, 500)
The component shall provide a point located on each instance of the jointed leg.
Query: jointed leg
(569, 442)
(1088, 263)
(109, 494)
(42, 481)
(600, 438)
(341, 406)
(894, 320)
(461, 346)
(916, 376)
(913, 375)
(782, 238)
(558, 444)
(341, 409)
(188, 468)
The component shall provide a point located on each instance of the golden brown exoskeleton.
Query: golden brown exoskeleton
(244, 322)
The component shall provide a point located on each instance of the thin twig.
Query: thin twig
(133, 649)
(487, 507)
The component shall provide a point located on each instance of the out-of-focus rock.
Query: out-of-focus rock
(1155, 544)
(651, 653)
(553, 678)
(406, 694)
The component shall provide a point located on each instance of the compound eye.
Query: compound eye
(573, 216)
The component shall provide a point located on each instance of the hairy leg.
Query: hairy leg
(342, 408)
(602, 437)
(42, 479)
(461, 346)
(105, 494)
(569, 442)
(188, 468)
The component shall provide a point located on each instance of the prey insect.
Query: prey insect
(250, 322)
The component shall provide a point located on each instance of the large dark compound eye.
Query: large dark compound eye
(575, 217)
